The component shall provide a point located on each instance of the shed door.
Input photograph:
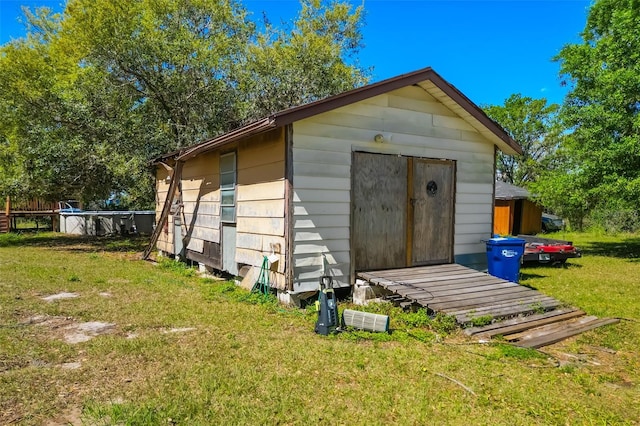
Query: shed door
(379, 211)
(432, 202)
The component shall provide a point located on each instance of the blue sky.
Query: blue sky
(488, 49)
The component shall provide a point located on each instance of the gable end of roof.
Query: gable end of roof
(301, 112)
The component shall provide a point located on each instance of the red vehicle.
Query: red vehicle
(547, 250)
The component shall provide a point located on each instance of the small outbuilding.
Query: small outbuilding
(514, 212)
(395, 174)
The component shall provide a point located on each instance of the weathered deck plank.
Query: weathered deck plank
(508, 310)
(458, 290)
(402, 271)
(564, 332)
(474, 299)
(467, 294)
(427, 278)
(520, 324)
(453, 282)
(476, 305)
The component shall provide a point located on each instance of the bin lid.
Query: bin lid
(505, 241)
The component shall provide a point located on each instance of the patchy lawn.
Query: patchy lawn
(124, 341)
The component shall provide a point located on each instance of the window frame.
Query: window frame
(228, 188)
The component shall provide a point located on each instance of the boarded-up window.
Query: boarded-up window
(228, 187)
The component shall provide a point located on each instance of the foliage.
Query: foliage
(515, 352)
(481, 320)
(533, 124)
(602, 110)
(413, 320)
(613, 221)
(93, 93)
(558, 189)
(291, 66)
(176, 266)
(229, 291)
(10, 239)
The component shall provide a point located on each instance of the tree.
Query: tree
(95, 92)
(175, 58)
(48, 152)
(602, 109)
(557, 188)
(533, 124)
(293, 66)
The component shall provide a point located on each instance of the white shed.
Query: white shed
(394, 174)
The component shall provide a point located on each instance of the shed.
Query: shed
(394, 174)
(514, 212)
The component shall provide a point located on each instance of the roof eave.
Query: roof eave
(496, 133)
(242, 132)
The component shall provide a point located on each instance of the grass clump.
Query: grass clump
(359, 335)
(10, 239)
(229, 291)
(407, 325)
(176, 266)
(481, 320)
(504, 350)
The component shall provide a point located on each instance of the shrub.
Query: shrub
(614, 221)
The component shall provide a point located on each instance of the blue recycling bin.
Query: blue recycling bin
(503, 257)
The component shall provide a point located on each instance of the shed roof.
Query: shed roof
(507, 191)
(426, 78)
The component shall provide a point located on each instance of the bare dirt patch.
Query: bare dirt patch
(69, 329)
(179, 330)
(77, 333)
(72, 416)
(71, 365)
(52, 322)
(60, 296)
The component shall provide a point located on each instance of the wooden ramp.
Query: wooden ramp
(534, 319)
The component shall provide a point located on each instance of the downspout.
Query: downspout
(176, 176)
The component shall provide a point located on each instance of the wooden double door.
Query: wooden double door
(403, 211)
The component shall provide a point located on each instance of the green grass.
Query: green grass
(246, 360)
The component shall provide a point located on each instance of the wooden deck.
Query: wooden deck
(10, 210)
(460, 291)
(520, 314)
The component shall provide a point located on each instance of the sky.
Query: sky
(488, 49)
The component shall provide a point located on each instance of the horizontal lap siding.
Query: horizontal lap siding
(165, 240)
(414, 124)
(200, 187)
(260, 223)
(321, 214)
(473, 221)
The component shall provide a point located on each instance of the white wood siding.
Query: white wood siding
(200, 187)
(165, 240)
(260, 211)
(413, 123)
